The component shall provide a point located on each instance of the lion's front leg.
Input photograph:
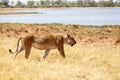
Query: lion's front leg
(60, 46)
(46, 53)
(61, 50)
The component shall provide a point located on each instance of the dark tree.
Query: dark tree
(30, 3)
(5, 3)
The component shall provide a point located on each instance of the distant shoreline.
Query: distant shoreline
(2, 9)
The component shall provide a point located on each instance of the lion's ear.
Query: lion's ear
(66, 36)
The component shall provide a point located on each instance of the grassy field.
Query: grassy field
(96, 56)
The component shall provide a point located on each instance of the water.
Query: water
(82, 16)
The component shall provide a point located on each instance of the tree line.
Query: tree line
(58, 3)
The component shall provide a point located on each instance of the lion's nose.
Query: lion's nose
(72, 44)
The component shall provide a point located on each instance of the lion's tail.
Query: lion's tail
(17, 46)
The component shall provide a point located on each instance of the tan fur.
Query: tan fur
(43, 42)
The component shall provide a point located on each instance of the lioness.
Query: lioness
(43, 42)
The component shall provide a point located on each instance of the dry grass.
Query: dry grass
(102, 36)
(83, 62)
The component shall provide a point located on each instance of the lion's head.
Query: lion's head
(69, 40)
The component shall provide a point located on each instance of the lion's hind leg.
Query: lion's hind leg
(20, 49)
(27, 46)
(27, 52)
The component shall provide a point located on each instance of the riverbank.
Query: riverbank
(10, 12)
(2, 9)
(92, 35)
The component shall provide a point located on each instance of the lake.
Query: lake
(82, 16)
